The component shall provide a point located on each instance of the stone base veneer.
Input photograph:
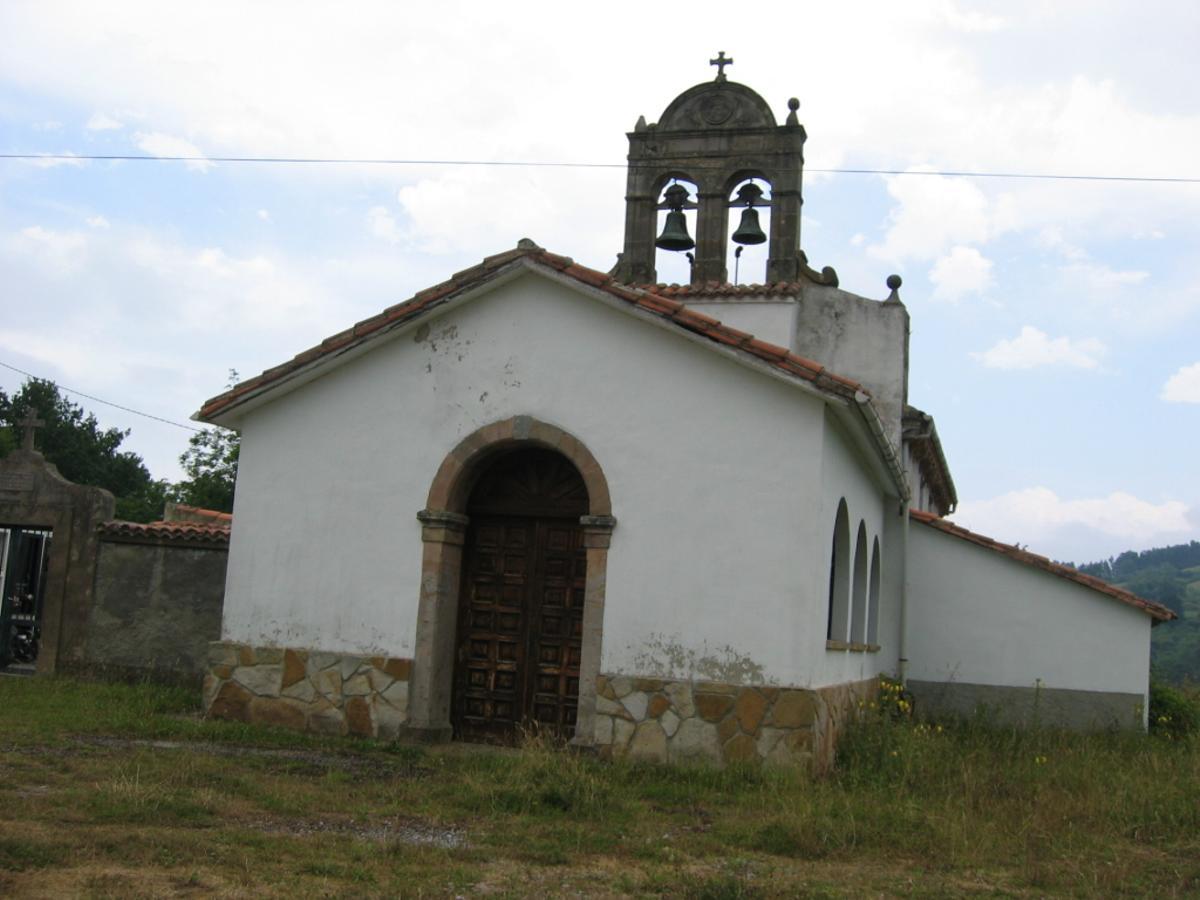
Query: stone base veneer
(333, 693)
(686, 721)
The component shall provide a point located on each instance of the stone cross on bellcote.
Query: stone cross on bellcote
(31, 423)
(721, 62)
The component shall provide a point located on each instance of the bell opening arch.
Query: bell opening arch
(747, 226)
(445, 522)
(671, 265)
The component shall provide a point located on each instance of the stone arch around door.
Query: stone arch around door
(444, 524)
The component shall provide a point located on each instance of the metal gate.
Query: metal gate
(24, 563)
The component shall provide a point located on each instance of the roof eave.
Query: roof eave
(229, 413)
(1156, 611)
(778, 362)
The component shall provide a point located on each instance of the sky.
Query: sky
(1054, 322)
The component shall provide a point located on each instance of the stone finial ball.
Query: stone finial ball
(793, 104)
(894, 282)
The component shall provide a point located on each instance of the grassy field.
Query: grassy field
(124, 791)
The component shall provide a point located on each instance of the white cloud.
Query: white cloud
(154, 321)
(565, 212)
(75, 357)
(932, 214)
(58, 252)
(381, 224)
(1183, 386)
(101, 122)
(97, 222)
(963, 271)
(49, 125)
(158, 144)
(1100, 277)
(1033, 348)
(970, 21)
(1083, 529)
(265, 215)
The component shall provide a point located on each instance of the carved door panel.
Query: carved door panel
(520, 628)
(556, 637)
(492, 629)
(520, 614)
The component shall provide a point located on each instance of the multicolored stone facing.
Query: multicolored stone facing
(685, 721)
(332, 693)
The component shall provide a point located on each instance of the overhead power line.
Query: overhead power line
(948, 173)
(136, 412)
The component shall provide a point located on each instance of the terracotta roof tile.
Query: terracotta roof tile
(766, 350)
(921, 436)
(1155, 610)
(167, 532)
(656, 304)
(724, 289)
(719, 289)
(654, 301)
(183, 512)
(732, 336)
(589, 276)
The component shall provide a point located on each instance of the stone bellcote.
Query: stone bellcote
(714, 135)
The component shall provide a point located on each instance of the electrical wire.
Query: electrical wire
(116, 157)
(136, 412)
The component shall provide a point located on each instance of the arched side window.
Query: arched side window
(839, 578)
(858, 612)
(873, 598)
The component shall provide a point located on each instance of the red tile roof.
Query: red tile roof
(166, 532)
(1155, 610)
(197, 515)
(921, 435)
(724, 289)
(643, 298)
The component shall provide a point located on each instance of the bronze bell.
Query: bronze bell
(675, 234)
(748, 231)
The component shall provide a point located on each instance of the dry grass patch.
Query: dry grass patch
(156, 802)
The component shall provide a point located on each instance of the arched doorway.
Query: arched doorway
(518, 646)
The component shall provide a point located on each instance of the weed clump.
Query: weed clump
(549, 779)
(1174, 712)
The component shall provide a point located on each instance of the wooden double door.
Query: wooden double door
(520, 616)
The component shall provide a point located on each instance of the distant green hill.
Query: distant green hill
(1171, 576)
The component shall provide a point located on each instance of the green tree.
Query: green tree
(82, 451)
(210, 463)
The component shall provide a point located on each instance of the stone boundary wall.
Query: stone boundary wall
(684, 721)
(331, 693)
(156, 605)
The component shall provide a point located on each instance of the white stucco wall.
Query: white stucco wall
(844, 477)
(771, 319)
(720, 478)
(978, 617)
(861, 339)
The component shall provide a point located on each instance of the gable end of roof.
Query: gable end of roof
(641, 299)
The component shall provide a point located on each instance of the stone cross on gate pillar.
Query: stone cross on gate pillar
(721, 62)
(30, 423)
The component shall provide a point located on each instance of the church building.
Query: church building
(685, 522)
